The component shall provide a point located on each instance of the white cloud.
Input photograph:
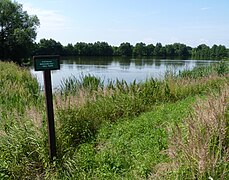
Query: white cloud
(49, 19)
(205, 8)
(115, 30)
(53, 23)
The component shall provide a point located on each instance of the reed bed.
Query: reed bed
(198, 148)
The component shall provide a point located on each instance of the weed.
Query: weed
(199, 149)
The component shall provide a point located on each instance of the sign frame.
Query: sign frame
(46, 62)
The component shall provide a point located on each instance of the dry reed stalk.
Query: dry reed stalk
(80, 99)
(2, 133)
(68, 101)
(183, 82)
(35, 116)
(199, 145)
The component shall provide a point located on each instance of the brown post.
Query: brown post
(46, 63)
(50, 114)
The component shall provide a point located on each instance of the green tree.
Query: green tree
(81, 48)
(170, 50)
(222, 51)
(17, 31)
(201, 52)
(102, 49)
(69, 50)
(180, 50)
(150, 49)
(125, 49)
(162, 52)
(157, 49)
(49, 46)
(214, 51)
(140, 49)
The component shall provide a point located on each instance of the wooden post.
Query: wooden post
(50, 114)
(47, 63)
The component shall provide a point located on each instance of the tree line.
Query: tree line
(50, 46)
(18, 34)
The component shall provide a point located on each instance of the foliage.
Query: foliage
(205, 52)
(48, 47)
(101, 131)
(17, 31)
(126, 49)
(23, 150)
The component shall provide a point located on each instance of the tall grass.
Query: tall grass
(79, 122)
(127, 149)
(73, 85)
(23, 146)
(220, 69)
(82, 108)
(199, 148)
(18, 88)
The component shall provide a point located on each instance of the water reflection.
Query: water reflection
(112, 68)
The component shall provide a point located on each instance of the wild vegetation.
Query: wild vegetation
(119, 131)
(176, 128)
(198, 149)
(50, 46)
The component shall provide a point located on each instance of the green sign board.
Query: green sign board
(42, 63)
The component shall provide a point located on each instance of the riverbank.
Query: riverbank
(118, 132)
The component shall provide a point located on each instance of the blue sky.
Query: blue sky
(191, 22)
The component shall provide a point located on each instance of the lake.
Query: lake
(122, 68)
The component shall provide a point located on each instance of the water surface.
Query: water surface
(112, 68)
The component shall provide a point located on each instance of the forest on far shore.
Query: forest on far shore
(50, 46)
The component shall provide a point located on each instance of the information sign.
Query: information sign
(42, 63)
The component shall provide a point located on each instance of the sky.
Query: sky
(192, 22)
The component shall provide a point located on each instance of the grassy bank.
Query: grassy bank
(118, 131)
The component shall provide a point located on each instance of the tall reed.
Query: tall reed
(79, 121)
(199, 149)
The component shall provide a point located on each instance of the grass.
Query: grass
(127, 148)
(198, 148)
(117, 131)
(17, 88)
(23, 149)
(79, 122)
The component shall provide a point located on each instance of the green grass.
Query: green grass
(78, 124)
(23, 146)
(127, 148)
(220, 69)
(113, 132)
(18, 89)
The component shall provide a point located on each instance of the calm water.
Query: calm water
(112, 68)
